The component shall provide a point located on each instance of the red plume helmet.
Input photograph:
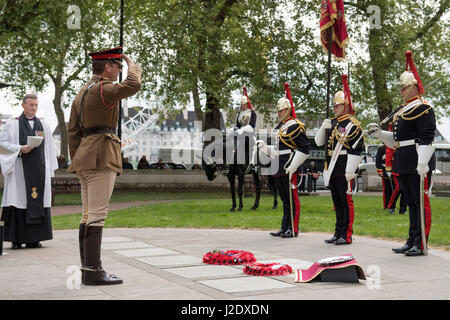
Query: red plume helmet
(412, 68)
(288, 96)
(248, 100)
(347, 94)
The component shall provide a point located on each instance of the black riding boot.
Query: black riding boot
(81, 245)
(93, 271)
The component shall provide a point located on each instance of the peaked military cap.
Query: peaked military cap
(110, 54)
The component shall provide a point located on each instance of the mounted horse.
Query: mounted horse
(240, 155)
(228, 162)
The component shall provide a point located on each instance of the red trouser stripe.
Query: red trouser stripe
(296, 202)
(395, 192)
(427, 211)
(351, 215)
(384, 194)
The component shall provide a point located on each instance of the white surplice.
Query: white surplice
(14, 191)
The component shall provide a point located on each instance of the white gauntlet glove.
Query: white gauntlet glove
(424, 154)
(297, 160)
(320, 137)
(387, 137)
(352, 164)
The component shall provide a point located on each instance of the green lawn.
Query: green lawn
(211, 210)
(130, 196)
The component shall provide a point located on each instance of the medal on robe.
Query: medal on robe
(34, 194)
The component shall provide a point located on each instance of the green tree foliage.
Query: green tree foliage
(16, 14)
(376, 51)
(205, 49)
(52, 47)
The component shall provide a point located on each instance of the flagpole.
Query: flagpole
(119, 130)
(330, 41)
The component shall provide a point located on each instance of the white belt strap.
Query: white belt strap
(287, 151)
(405, 143)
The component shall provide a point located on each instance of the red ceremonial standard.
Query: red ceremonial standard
(332, 15)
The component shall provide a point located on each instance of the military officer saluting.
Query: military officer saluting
(345, 146)
(414, 126)
(290, 151)
(95, 152)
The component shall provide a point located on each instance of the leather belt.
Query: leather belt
(405, 143)
(98, 130)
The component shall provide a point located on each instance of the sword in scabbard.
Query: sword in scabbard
(422, 215)
(290, 203)
(349, 187)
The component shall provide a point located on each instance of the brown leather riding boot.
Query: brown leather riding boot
(93, 272)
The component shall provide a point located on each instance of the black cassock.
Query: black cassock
(34, 223)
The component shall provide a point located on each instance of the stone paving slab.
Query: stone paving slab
(126, 245)
(177, 272)
(206, 271)
(243, 284)
(145, 252)
(115, 239)
(179, 260)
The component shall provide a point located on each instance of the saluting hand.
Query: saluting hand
(127, 60)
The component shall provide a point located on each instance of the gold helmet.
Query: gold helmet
(407, 79)
(339, 98)
(410, 76)
(283, 103)
(244, 100)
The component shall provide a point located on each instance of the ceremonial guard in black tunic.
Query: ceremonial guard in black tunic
(244, 130)
(246, 118)
(291, 149)
(387, 183)
(414, 126)
(396, 191)
(345, 146)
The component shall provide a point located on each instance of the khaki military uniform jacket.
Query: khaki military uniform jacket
(102, 150)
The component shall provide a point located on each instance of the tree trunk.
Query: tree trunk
(57, 105)
(379, 67)
(197, 104)
(212, 114)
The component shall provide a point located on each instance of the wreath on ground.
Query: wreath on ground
(268, 269)
(229, 257)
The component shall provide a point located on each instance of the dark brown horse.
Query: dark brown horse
(231, 171)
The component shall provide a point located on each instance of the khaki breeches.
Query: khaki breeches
(96, 189)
